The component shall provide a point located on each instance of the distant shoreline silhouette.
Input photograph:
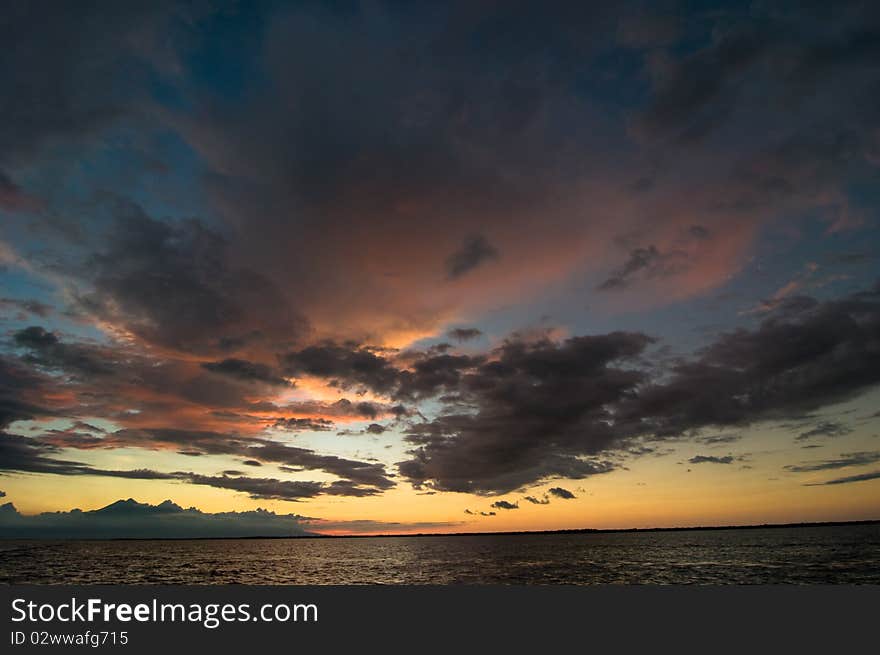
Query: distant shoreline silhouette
(509, 533)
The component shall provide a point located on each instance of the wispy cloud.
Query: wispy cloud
(844, 461)
(862, 477)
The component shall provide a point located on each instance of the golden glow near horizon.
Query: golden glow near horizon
(636, 498)
(654, 490)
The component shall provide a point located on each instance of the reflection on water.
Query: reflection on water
(805, 555)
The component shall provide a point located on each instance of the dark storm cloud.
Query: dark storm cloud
(535, 501)
(559, 492)
(129, 519)
(474, 252)
(412, 156)
(794, 361)
(464, 334)
(711, 459)
(172, 284)
(245, 370)
(825, 429)
(862, 477)
(424, 120)
(541, 411)
(503, 504)
(844, 461)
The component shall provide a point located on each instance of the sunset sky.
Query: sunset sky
(415, 267)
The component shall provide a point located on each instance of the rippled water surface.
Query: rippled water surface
(804, 555)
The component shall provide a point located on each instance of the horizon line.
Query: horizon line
(318, 535)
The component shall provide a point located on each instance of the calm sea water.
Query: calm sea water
(806, 555)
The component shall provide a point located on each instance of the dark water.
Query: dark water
(805, 555)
